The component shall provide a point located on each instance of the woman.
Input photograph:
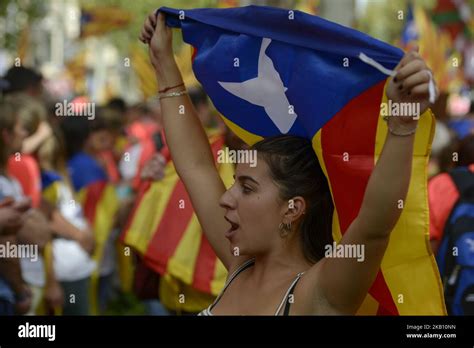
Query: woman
(277, 214)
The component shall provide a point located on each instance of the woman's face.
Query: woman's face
(254, 209)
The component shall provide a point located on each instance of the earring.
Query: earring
(285, 229)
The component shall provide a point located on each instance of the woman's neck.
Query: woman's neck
(287, 261)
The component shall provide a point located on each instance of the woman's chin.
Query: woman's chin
(235, 249)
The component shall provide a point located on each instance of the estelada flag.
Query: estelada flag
(99, 202)
(272, 71)
(165, 231)
(99, 20)
(435, 46)
(454, 17)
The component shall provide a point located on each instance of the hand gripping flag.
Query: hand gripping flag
(272, 71)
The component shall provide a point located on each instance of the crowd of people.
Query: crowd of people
(69, 183)
(57, 170)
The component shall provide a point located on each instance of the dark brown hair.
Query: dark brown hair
(295, 169)
(466, 151)
(8, 119)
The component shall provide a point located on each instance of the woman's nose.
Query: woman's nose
(227, 200)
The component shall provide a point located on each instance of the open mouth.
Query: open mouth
(233, 227)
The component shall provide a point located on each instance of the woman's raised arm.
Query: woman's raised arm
(344, 282)
(186, 138)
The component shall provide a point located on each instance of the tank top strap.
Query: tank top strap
(289, 292)
(234, 274)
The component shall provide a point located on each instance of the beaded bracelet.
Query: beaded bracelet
(172, 94)
(413, 131)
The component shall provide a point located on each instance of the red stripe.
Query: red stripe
(195, 51)
(353, 130)
(173, 224)
(171, 228)
(142, 189)
(205, 266)
(444, 6)
(93, 196)
(206, 261)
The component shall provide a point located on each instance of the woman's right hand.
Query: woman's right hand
(159, 37)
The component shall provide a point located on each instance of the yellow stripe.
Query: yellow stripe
(51, 193)
(412, 248)
(247, 137)
(177, 296)
(370, 306)
(181, 265)
(126, 267)
(150, 211)
(104, 219)
(409, 268)
(317, 146)
(48, 256)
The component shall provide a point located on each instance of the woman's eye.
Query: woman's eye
(246, 189)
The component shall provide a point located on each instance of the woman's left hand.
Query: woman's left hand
(410, 85)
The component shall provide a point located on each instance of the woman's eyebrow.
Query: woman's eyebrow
(246, 177)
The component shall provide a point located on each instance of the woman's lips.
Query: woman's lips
(233, 228)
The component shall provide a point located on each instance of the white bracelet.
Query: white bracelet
(172, 94)
(413, 131)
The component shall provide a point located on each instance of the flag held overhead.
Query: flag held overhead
(269, 73)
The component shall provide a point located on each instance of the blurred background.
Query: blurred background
(87, 52)
(90, 47)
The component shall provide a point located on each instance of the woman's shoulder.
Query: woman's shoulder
(309, 298)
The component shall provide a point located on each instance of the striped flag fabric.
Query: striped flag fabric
(317, 87)
(435, 46)
(455, 17)
(99, 20)
(165, 231)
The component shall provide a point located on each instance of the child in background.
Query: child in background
(86, 140)
(73, 264)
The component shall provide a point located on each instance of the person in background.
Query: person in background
(32, 228)
(15, 296)
(73, 264)
(24, 79)
(451, 203)
(442, 192)
(86, 140)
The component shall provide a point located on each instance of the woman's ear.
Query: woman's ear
(295, 208)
